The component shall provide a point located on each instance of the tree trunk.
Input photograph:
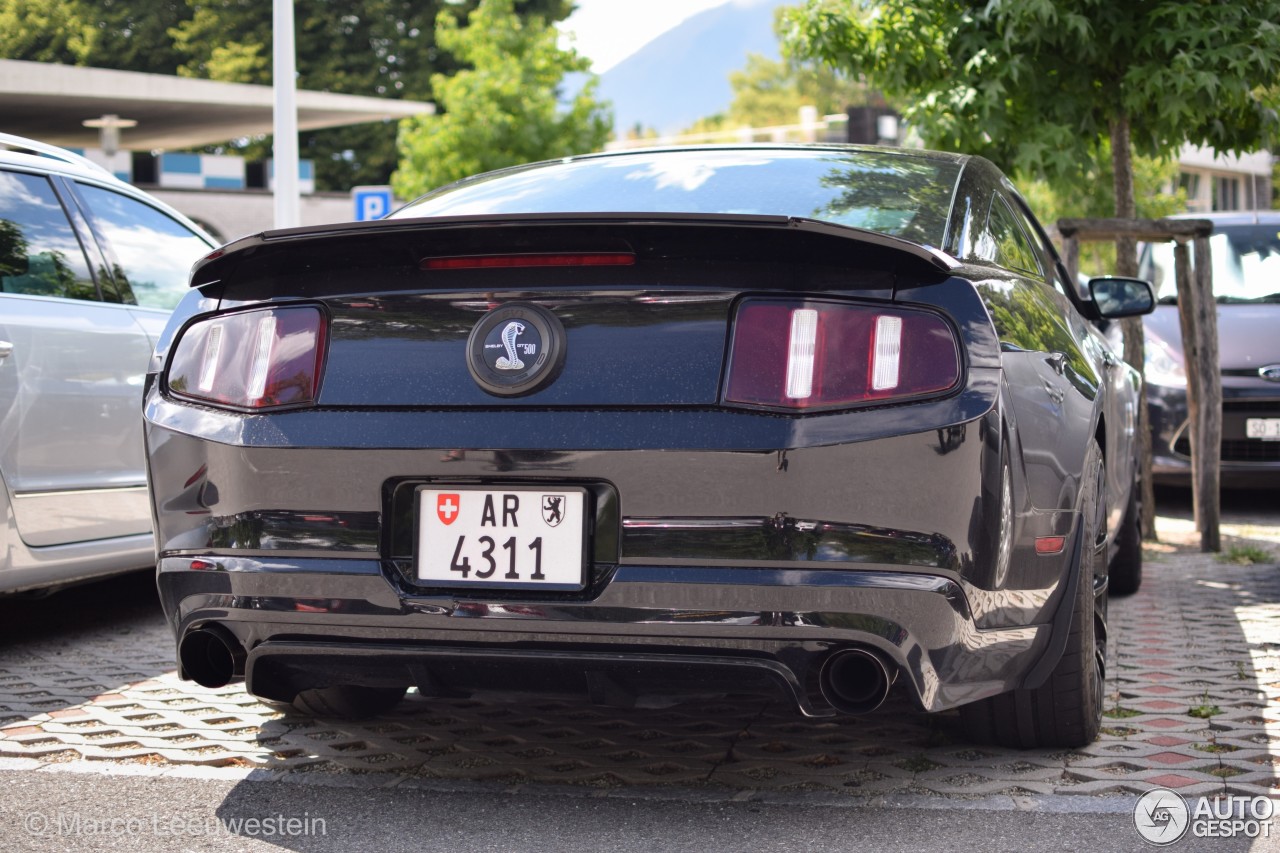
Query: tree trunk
(1127, 265)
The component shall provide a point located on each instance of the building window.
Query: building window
(1226, 193)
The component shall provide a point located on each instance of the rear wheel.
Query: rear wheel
(348, 702)
(1065, 711)
(1126, 568)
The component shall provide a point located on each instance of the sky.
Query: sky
(608, 31)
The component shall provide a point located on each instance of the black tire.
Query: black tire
(1126, 567)
(348, 702)
(1065, 711)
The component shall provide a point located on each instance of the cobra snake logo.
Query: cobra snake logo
(511, 361)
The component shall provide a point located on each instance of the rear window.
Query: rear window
(894, 193)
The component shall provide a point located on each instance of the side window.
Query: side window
(1044, 251)
(1005, 243)
(39, 252)
(149, 249)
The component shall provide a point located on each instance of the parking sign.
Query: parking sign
(371, 202)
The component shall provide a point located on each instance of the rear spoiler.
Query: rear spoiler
(209, 268)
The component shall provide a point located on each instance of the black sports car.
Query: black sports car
(800, 419)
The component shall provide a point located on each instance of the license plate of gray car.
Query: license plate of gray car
(1267, 429)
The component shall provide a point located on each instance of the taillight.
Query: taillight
(254, 360)
(572, 259)
(814, 354)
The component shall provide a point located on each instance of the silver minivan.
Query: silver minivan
(89, 270)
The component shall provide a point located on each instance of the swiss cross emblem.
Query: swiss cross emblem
(447, 507)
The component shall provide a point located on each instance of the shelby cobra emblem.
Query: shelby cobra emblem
(516, 349)
(512, 359)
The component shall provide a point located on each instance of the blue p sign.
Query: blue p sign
(371, 202)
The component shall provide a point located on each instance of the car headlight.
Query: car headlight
(1162, 365)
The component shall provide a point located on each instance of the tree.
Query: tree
(1042, 86)
(767, 92)
(504, 109)
(1038, 86)
(1094, 198)
(381, 48)
(43, 31)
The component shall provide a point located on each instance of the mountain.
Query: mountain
(683, 74)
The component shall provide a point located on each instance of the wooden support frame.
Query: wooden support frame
(1198, 315)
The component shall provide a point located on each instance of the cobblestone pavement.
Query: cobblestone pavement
(1193, 680)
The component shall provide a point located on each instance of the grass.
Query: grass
(1245, 555)
(1118, 713)
(1118, 731)
(1215, 747)
(1221, 772)
(1205, 709)
(917, 764)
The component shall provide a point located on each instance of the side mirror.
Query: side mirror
(1121, 297)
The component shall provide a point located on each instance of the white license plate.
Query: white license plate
(1267, 429)
(507, 538)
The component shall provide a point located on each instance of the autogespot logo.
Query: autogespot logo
(1161, 816)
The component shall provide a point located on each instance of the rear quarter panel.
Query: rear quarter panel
(1052, 380)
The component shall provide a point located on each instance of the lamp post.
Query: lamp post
(109, 131)
(285, 145)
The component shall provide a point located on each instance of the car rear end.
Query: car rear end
(766, 455)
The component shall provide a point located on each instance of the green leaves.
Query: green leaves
(1035, 84)
(381, 48)
(503, 110)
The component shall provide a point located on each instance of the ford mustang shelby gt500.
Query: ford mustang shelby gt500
(813, 420)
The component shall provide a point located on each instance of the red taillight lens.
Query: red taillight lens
(262, 359)
(807, 354)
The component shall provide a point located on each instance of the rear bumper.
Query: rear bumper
(723, 545)
(655, 624)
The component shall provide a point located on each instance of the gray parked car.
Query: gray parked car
(1245, 248)
(89, 270)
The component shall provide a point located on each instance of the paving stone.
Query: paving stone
(1200, 636)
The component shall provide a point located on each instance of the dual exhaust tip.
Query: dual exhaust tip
(856, 681)
(211, 656)
(853, 681)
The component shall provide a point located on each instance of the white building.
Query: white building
(160, 116)
(1216, 181)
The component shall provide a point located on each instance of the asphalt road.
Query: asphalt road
(40, 812)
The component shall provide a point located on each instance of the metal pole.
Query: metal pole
(285, 158)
